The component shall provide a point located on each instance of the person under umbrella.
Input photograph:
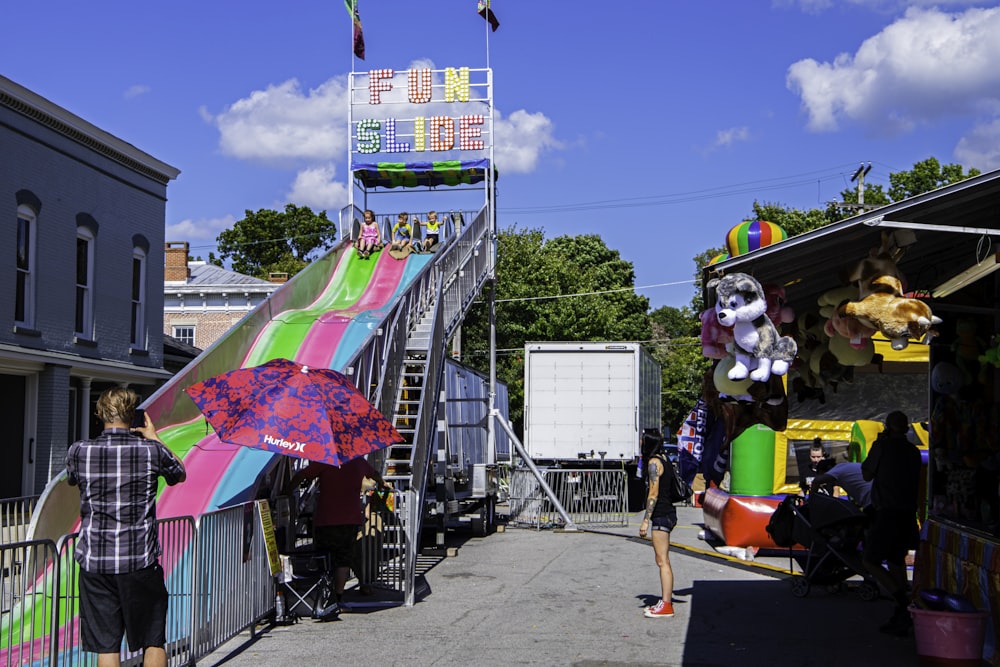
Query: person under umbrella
(338, 517)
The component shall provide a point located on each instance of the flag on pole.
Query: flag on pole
(487, 13)
(359, 37)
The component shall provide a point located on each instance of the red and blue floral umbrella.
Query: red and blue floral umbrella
(288, 408)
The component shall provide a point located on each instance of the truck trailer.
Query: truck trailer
(586, 405)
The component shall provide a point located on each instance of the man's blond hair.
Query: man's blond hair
(117, 404)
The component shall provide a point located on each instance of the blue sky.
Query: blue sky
(655, 124)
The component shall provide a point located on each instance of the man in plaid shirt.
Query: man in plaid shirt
(121, 585)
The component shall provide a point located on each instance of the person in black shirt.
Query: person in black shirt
(659, 520)
(893, 467)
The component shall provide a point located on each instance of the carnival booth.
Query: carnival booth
(893, 309)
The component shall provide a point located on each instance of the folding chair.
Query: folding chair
(307, 587)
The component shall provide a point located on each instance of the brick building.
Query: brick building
(201, 301)
(81, 305)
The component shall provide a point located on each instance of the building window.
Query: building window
(24, 297)
(185, 334)
(138, 333)
(84, 283)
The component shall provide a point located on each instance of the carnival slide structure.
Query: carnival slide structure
(363, 317)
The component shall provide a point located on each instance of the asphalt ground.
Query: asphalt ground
(549, 597)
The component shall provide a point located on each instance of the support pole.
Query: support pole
(549, 493)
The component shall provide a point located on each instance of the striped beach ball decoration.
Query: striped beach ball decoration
(748, 236)
(721, 257)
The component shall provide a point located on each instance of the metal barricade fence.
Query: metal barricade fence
(382, 545)
(15, 515)
(217, 576)
(594, 497)
(233, 587)
(28, 591)
(177, 542)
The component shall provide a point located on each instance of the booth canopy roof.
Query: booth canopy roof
(421, 174)
(944, 222)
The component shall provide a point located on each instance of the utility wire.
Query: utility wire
(693, 195)
(778, 182)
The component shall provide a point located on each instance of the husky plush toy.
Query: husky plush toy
(757, 347)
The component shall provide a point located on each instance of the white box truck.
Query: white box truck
(586, 403)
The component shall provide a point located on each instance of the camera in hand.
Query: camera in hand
(139, 418)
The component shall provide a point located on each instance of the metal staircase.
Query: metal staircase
(404, 365)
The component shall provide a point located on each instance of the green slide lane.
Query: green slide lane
(283, 337)
(181, 439)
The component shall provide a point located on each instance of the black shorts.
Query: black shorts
(338, 541)
(116, 605)
(665, 523)
(433, 238)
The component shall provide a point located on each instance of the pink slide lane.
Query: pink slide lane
(320, 344)
(209, 459)
(206, 464)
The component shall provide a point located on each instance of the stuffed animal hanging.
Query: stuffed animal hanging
(887, 310)
(757, 347)
(714, 336)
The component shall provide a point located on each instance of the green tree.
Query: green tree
(268, 241)
(793, 221)
(875, 196)
(683, 367)
(677, 346)
(669, 322)
(924, 177)
(567, 288)
(702, 260)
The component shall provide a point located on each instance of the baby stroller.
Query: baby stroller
(831, 531)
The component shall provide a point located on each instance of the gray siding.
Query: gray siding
(74, 173)
(70, 179)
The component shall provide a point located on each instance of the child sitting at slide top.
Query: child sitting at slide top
(432, 231)
(402, 232)
(369, 238)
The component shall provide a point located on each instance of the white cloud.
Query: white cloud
(136, 90)
(980, 148)
(520, 140)
(281, 124)
(199, 230)
(730, 136)
(925, 66)
(882, 6)
(316, 188)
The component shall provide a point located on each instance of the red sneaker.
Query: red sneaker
(660, 610)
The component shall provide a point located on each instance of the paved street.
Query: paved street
(522, 597)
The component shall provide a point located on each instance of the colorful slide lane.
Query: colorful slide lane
(224, 474)
(353, 301)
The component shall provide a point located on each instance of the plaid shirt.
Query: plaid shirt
(117, 473)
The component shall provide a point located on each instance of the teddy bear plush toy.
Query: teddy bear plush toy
(757, 347)
(887, 310)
